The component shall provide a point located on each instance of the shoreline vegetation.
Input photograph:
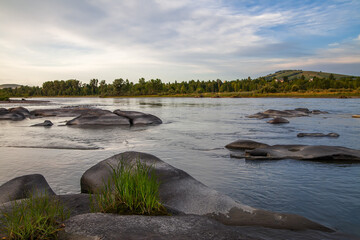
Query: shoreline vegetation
(285, 83)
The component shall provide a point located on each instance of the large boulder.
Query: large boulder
(245, 145)
(3, 111)
(184, 193)
(304, 152)
(97, 226)
(103, 118)
(139, 118)
(65, 112)
(23, 187)
(12, 116)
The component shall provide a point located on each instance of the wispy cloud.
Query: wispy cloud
(203, 39)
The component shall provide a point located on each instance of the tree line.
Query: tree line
(121, 87)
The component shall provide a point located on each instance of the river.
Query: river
(192, 138)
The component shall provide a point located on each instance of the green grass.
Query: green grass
(132, 189)
(37, 217)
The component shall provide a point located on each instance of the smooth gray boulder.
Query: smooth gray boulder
(333, 135)
(3, 111)
(20, 110)
(304, 152)
(278, 120)
(245, 145)
(103, 118)
(184, 193)
(46, 123)
(23, 187)
(298, 112)
(139, 118)
(110, 226)
(12, 116)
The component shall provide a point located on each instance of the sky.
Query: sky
(175, 40)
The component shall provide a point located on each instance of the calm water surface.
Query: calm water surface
(192, 138)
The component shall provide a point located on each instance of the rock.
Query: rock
(3, 111)
(298, 112)
(245, 145)
(20, 110)
(278, 120)
(184, 193)
(12, 116)
(103, 118)
(23, 187)
(356, 116)
(334, 135)
(65, 112)
(304, 152)
(139, 118)
(46, 123)
(110, 226)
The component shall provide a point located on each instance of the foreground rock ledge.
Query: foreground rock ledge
(182, 192)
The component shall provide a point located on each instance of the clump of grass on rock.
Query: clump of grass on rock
(36, 217)
(132, 189)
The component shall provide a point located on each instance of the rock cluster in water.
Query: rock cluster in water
(198, 212)
(297, 112)
(83, 116)
(299, 152)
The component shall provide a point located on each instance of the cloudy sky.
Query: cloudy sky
(175, 40)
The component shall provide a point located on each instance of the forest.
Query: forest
(121, 87)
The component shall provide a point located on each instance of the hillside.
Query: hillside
(291, 74)
(9, 86)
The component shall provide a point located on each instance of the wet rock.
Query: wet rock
(3, 111)
(139, 118)
(12, 116)
(304, 152)
(23, 187)
(298, 112)
(46, 123)
(334, 135)
(182, 192)
(110, 226)
(245, 145)
(65, 112)
(278, 120)
(20, 110)
(101, 118)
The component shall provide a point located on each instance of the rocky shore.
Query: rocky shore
(197, 212)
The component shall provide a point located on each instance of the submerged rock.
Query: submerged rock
(182, 192)
(23, 187)
(139, 118)
(278, 120)
(304, 152)
(334, 135)
(20, 110)
(298, 112)
(245, 145)
(46, 123)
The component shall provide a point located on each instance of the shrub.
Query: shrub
(37, 217)
(4, 97)
(132, 189)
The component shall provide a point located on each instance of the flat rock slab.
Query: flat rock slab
(182, 192)
(103, 118)
(278, 120)
(304, 152)
(65, 112)
(298, 112)
(332, 135)
(23, 187)
(245, 145)
(110, 226)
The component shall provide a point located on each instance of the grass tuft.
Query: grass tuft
(132, 189)
(36, 217)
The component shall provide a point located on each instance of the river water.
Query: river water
(192, 138)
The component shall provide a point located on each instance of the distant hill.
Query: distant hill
(9, 86)
(291, 74)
